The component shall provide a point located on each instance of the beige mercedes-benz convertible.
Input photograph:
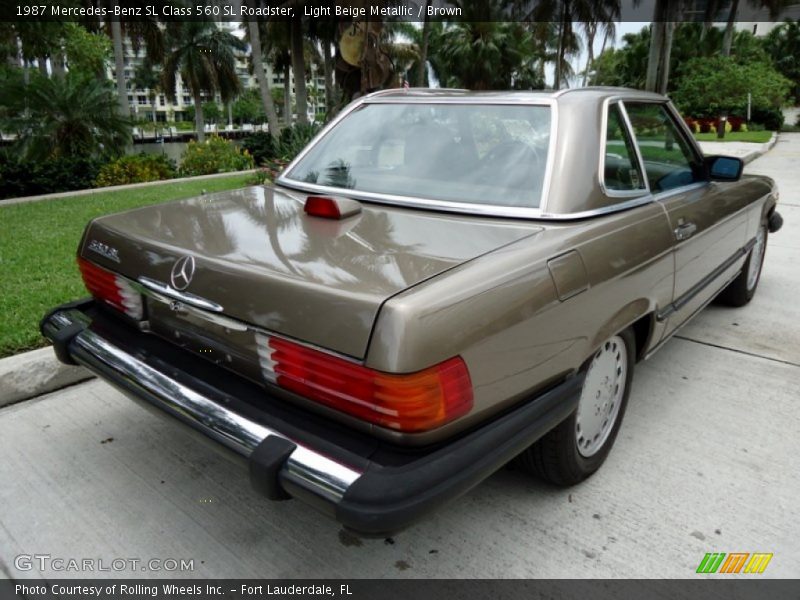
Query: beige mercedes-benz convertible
(441, 282)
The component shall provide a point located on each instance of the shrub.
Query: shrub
(770, 118)
(260, 145)
(214, 155)
(136, 168)
(293, 139)
(270, 171)
(743, 127)
(736, 123)
(713, 85)
(30, 178)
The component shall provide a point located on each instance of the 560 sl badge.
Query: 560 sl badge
(104, 250)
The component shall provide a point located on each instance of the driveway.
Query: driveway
(706, 461)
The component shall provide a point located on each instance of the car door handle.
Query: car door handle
(684, 231)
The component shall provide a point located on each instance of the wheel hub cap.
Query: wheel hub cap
(601, 396)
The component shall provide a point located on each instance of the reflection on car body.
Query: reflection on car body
(441, 282)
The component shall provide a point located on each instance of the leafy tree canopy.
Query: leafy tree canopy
(712, 85)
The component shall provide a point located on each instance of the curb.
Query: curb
(30, 374)
(762, 150)
(115, 188)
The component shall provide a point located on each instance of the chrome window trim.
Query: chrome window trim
(429, 203)
(680, 190)
(637, 197)
(682, 129)
(604, 210)
(601, 172)
(636, 148)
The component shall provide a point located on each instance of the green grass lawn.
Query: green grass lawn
(38, 242)
(758, 137)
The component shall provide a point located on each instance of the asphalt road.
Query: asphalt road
(706, 462)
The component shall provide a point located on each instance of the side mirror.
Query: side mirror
(724, 168)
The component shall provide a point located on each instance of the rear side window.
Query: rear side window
(669, 161)
(621, 172)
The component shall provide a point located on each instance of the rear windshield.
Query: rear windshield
(476, 154)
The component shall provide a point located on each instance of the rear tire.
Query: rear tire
(578, 446)
(742, 289)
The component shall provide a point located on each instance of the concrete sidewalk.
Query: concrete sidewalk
(747, 151)
(706, 461)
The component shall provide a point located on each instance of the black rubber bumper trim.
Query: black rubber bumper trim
(62, 337)
(265, 464)
(388, 499)
(775, 222)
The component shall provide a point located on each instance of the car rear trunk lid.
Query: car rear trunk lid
(265, 262)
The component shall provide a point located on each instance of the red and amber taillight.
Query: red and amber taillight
(111, 288)
(410, 402)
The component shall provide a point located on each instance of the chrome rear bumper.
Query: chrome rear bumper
(369, 486)
(304, 468)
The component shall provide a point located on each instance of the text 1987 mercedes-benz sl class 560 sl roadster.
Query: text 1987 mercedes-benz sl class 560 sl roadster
(440, 282)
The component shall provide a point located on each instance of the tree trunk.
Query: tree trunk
(153, 105)
(423, 55)
(261, 77)
(327, 57)
(41, 62)
(299, 71)
(590, 33)
(57, 64)
(666, 52)
(727, 38)
(287, 95)
(657, 30)
(119, 65)
(557, 72)
(708, 17)
(199, 122)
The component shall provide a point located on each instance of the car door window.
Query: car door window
(621, 171)
(669, 161)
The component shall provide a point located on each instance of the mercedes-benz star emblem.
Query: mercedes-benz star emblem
(182, 272)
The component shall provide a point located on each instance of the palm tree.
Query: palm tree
(203, 56)
(423, 51)
(323, 33)
(665, 15)
(592, 14)
(486, 55)
(276, 44)
(299, 70)
(141, 31)
(783, 45)
(604, 15)
(147, 76)
(74, 115)
(774, 7)
(256, 57)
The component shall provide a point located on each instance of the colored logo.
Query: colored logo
(734, 562)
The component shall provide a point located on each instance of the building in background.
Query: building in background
(168, 110)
